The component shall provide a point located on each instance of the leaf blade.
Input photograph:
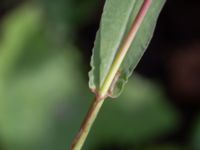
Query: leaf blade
(114, 27)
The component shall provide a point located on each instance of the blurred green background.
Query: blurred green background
(45, 49)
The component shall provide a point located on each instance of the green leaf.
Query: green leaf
(18, 28)
(116, 22)
(36, 87)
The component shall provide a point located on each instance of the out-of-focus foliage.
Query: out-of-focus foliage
(44, 96)
(195, 135)
(165, 147)
(37, 78)
(64, 16)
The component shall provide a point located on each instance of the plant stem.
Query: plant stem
(103, 91)
(87, 123)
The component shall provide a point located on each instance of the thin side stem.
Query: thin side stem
(104, 90)
(87, 123)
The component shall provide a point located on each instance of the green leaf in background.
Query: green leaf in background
(18, 28)
(36, 86)
(116, 21)
(64, 16)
